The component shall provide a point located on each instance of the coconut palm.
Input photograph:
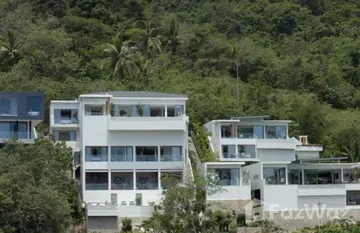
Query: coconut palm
(9, 48)
(172, 36)
(147, 39)
(120, 58)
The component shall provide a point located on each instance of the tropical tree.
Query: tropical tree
(9, 48)
(147, 38)
(120, 58)
(172, 36)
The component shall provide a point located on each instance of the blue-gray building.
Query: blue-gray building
(20, 112)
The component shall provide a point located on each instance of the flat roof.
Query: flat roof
(137, 94)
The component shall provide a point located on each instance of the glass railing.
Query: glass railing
(66, 121)
(122, 187)
(146, 158)
(121, 158)
(170, 158)
(147, 186)
(229, 182)
(96, 186)
(96, 158)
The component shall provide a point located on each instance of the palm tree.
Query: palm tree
(147, 39)
(146, 69)
(9, 47)
(120, 58)
(353, 154)
(172, 36)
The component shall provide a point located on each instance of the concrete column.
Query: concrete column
(342, 174)
(159, 179)
(286, 176)
(303, 176)
(166, 111)
(158, 153)
(109, 185)
(134, 179)
(134, 153)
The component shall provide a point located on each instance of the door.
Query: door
(114, 198)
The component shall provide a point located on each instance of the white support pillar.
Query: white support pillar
(286, 176)
(134, 179)
(109, 180)
(342, 175)
(303, 176)
(158, 153)
(159, 179)
(166, 110)
(134, 153)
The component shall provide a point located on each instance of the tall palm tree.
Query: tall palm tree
(120, 58)
(9, 47)
(353, 154)
(147, 38)
(172, 36)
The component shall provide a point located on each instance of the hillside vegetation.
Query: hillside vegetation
(295, 59)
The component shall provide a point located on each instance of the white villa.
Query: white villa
(285, 173)
(124, 144)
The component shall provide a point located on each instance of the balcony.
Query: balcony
(65, 118)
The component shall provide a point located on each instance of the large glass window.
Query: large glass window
(228, 151)
(97, 181)
(147, 181)
(146, 153)
(8, 106)
(122, 153)
(170, 179)
(66, 116)
(274, 175)
(175, 110)
(122, 181)
(94, 110)
(245, 131)
(227, 131)
(65, 135)
(14, 130)
(349, 176)
(96, 153)
(170, 153)
(276, 132)
(226, 176)
(246, 151)
(34, 105)
(295, 176)
(259, 131)
(313, 176)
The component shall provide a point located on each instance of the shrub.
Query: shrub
(126, 225)
(241, 220)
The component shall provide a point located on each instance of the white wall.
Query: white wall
(276, 155)
(231, 193)
(326, 201)
(146, 138)
(122, 195)
(280, 197)
(307, 154)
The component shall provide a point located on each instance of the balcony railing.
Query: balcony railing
(96, 186)
(122, 186)
(121, 158)
(170, 158)
(96, 158)
(238, 156)
(146, 158)
(147, 186)
(66, 121)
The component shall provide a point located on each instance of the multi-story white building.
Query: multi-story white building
(286, 173)
(127, 143)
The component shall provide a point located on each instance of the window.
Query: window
(276, 132)
(147, 181)
(349, 176)
(147, 153)
(228, 151)
(8, 106)
(245, 131)
(170, 153)
(97, 181)
(259, 131)
(175, 110)
(226, 176)
(66, 116)
(274, 175)
(94, 110)
(77, 156)
(96, 153)
(14, 129)
(313, 176)
(295, 176)
(246, 151)
(34, 105)
(170, 179)
(157, 111)
(227, 131)
(121, 153)
(65, 135)
(122, 181)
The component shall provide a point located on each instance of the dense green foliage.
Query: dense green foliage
(37, 193)
(337, 226)
(295, 59)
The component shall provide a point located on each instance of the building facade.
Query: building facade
(129, 146)
(20, 113)
(284, 173)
